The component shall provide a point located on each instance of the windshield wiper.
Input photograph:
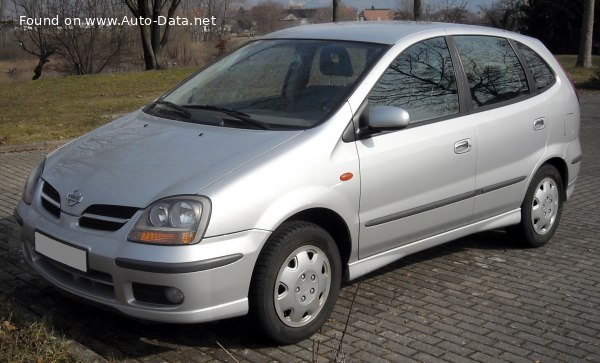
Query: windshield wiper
(176, 108)
(237, 114)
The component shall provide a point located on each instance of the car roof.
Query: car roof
(384, 32)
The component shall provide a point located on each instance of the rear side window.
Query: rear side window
(542, 74)
(493, 71)
(420, 80)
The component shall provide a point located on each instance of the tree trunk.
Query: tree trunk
(44, 55)
(153, 40)
(37, 71)
(336, 6)
(155, 30)
(149, 57)
(417, 10)
(584, 58)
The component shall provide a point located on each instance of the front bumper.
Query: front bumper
(214, 275)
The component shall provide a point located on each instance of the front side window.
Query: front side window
(493, 71)
(420, 80)
(271, 84)
(542, 74)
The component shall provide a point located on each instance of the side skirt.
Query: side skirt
(371, 263)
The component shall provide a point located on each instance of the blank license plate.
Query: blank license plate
(60, 252)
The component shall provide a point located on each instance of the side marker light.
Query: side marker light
(346, 176)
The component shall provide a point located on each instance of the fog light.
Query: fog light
(174, 295)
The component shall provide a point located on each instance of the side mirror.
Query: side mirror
(388, 118)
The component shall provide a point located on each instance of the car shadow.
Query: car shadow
(116, 337)
(494, 240)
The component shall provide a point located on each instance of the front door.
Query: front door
(419, 181)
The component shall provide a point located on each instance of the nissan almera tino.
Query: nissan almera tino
(308, 157)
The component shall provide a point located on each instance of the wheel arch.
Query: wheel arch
(331, 222)
(563, 170)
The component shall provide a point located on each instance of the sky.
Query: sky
(362, 4)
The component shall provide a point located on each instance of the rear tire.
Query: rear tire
(542, 208)
(296, 282)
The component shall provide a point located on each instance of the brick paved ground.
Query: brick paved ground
(481, 298)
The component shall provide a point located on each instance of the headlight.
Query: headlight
(32, 182)
(173, 221)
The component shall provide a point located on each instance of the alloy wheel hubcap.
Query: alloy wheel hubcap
(302, 286)
(544, 208)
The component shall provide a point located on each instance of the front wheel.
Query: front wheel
(542, 207)
(296, 282)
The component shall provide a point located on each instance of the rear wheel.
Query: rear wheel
(542, 208)
(296, 282)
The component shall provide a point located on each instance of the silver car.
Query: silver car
(308, 157)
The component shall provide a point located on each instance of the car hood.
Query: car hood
(139, 159)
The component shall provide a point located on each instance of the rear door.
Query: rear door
(512, 127)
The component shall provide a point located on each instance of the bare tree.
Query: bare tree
(344, 13)
(504, 14)
(210, 9)
(3, 33)
(223, 16)
(405, 5)
(243, 20)
(2, 9)
(193, 8)
(453, 11)
(218, 9)
(154, 36)
(36, 40)
(403, 10)
(267, 15)
(584, 57)
(88, 47)
(417, 7)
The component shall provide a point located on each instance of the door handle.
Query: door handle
(539, 123)
(462, 146)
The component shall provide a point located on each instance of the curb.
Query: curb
(84, 352)
(53, 144)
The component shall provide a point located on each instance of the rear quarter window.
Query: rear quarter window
(541, 71)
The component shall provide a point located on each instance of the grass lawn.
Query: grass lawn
(27, 339)
(67, 107)
(581, 76)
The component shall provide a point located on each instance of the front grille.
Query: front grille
(106, 217)
(50, 199)
(99, 216)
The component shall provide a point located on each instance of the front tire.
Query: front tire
(296, 282)
(542, 208)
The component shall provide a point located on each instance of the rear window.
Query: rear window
(542, 73)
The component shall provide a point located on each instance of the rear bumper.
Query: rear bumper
(573, 157)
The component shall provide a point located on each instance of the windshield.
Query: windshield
(271, 84)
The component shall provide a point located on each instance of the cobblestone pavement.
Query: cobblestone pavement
(481, 298)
